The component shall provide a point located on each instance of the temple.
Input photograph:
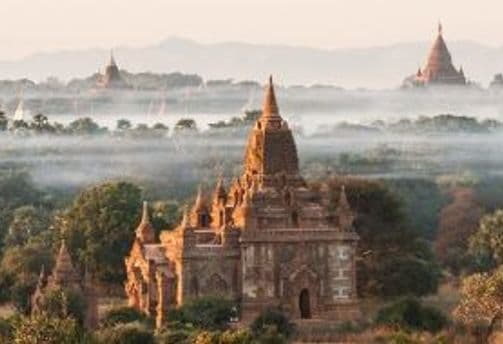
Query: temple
(112, 79)
(439, 69)
(265, 240)
(64, 276)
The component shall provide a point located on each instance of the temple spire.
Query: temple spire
(270, 106)
(220, 193)
(145, 231)
(200, 203)
(64, 273)
(440, 28)
(145, 217)
(345, 215)
(112, 58)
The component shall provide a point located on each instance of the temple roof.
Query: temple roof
(439, 67)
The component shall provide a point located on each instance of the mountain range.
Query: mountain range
(372, 67)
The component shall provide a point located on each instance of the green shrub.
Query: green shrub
(61, 303)
(46, 330)
(271, 335)
(398, 337)
(206, 313)
(175, 335)
(122, 315)
(272, 318)
(410, 313)
(130, 333)
(6, 330)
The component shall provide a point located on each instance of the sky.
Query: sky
(30, 26)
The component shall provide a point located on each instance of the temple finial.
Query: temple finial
(112, 58)
(270, 106)
(440, 28)
(145, 217)
(185, 217)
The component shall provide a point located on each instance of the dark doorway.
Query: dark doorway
(304, 304)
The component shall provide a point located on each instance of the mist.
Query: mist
(161, 164)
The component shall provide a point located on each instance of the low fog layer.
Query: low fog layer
(309, 107)
(73, 162)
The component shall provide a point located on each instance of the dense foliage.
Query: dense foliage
(207, 313)
(275, 319)
(110, 210)
(486, 244)
(128, 333)
(388, 249)
(458, 221)
(122, 315)
(47, 330)
(410, 313)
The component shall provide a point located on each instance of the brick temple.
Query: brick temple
(265, 240)
(439, 69)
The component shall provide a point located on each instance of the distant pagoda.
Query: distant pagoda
(439, 69)
(112, 79)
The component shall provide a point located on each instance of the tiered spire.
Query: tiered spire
(220, 193)
(270, 106)
(64, 273)
(344, 212)
(145, 231)
(200, 203)
(112, 59)
(271, 148)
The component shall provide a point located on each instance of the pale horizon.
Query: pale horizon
(83, 24)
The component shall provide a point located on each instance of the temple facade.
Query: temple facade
(64, 276)
(265, 240)
(112, 79)
(439, 69)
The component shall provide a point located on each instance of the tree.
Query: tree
(21, 265)
(458, 221)
(207, 313)
(185, 126)
(481, 298)
(16, 190)
(99, 228)
(409, 313)
(272, 318)
(27, 222)
(123, 124)
(130, 333)
(122, 315)
(47, 330)
(385, 241)
(63, 303)
(41, 124)
(486, 244)
(84, 126)
(3, 121)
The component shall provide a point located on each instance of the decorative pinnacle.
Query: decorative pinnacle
(145, 217)
(343, 200)
(185, 218)
(440, 28)
(270, 106)
(112, 59)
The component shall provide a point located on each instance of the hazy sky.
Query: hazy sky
(28, 26)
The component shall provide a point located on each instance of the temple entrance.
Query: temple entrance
(304, 304)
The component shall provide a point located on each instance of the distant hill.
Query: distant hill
(374, 67)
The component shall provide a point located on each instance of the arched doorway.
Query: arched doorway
(304, 304)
